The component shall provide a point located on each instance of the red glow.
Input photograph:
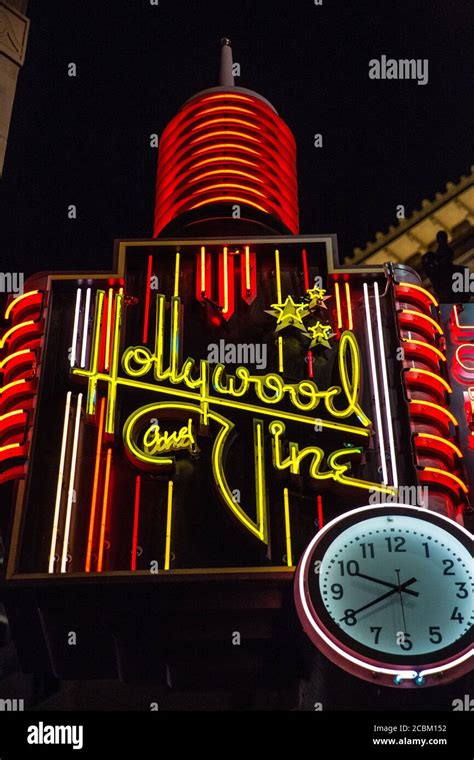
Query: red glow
(305, 269)
(146, 317)
(320, 511)
(138, 482)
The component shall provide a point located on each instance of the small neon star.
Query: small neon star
(317, 297)
(290, 314)
(320, 335)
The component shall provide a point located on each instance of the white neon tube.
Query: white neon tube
(75, 328)
(375, 384)
(72, 477)
(388, 409)
(59, 488)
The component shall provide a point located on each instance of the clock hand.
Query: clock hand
(401, 601)
(381, 598)
(386, 583)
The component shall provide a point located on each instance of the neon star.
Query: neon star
(320, 335)
(290, 314)
(316, 298)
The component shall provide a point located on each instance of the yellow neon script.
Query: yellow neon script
(156, 442)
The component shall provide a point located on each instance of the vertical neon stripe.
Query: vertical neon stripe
(75, 328)
(226, 283)
(94, 359)
(289, 555)
(138, 483)
(146, 317)
(109, 328)
(281, 366)
(349, 306)
(248, 285)
(375, 386)
(112, 394)
(203, 271)
(305, 269)
(388, 410)
(85, 327)
(320, 511)
(103, 522)
(59, 488)
(100, 436)
(278, 275)
(72, 477)
(176, 276)
(338, 305)
(168, 525)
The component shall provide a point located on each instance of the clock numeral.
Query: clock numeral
(448, 566)
(375, 629)
(456, 615)
(462, 593)
(349, 617)
(337, 591)
(435, 634)
(352, 567)
(367, 551)
(427, 550)
(395, 544)
(404, 641)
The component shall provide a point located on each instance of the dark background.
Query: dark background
(85, 140)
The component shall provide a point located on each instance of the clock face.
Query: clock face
(392, 584)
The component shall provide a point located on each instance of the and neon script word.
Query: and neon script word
(157, 442)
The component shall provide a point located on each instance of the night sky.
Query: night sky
(85, 140)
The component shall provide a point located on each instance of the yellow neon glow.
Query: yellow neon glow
(168, 525)
(449, 475)
(338, 305)
(229, 198)
(8, 358)
(176, 275)
(15, 413)
(224, 133)
(434, 376)
(222, 120)
(109, 327)
(432, 405)
(112, 395)
(226, 172)
(260, 488)
(449, 443)
(239, 160)
(203, 270)
(421, 290)
(12, 385)
(234, 185)
(247, 269)
(225, 108)
(286, 504)
(278, 275)
(59, 487)
(435, 350)
(156, 442)
(105, 501)
(12, 330)
(349, 305)
(94, 357)
(337, 471)
(428, 319)
(17, 300)
(225, 146)
(226, 283)
(281, 365)
(9, 446)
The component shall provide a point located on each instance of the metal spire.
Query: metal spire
(226, 77)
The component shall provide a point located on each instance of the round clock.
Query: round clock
(386, 593)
